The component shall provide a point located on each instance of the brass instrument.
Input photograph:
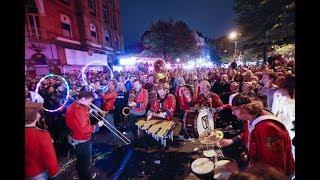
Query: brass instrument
(159, 66)
(96, 113)
(127, 110)
(103, 113)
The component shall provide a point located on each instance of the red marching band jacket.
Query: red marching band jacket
(168, 106)
(270, 143)
(39, 153)
(214, 102)
(108, 100)
(183, 97)
(141, 98)
(78, 121)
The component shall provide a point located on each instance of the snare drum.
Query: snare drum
(196, 122)
(202, 167)
(224, 168)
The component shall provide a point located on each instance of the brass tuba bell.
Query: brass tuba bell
(159, 66)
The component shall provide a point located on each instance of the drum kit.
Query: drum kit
(160, 130)
(199, 124)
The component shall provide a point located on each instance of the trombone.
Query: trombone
(99, 115)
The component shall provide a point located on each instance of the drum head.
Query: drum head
(209, 153)
(204, 121)
(224, 168)
(202, 166)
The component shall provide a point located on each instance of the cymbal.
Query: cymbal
(210, 137)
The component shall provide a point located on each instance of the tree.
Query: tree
(224, 48)
(215, 56)
(168, 40)
(158, 40)
(185, 43)
(264, 23)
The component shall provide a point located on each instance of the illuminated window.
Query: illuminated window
(65, 25)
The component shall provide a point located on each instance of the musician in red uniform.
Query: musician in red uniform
(138, 101)
(109, 98)
(40, 156)
(164, 106)
(184, 97)
(205, 97)
(78, 122)
(266, 138)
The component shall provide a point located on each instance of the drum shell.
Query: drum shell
(196, 122)
(189, 122)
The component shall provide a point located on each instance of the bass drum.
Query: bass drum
(196, 122)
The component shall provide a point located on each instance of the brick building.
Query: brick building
(62, 35)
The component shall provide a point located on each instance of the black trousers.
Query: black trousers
(84, 160)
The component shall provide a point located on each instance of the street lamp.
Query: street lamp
(233, 36)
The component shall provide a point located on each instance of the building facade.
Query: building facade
(63, 35)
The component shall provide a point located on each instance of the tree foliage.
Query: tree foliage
(265, 23)
(168, 40)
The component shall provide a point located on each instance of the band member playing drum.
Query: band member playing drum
(109, 99)
(40, 156)
(205, 97)
(138, 101)
(164, 105)
(78, 122)
(266, 138)
(184, 97)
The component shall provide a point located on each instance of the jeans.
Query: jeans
(84, 160)
(42, 176)
(110, 119)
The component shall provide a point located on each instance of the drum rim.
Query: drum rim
(209, 156)
(224, 158)
(213, 166)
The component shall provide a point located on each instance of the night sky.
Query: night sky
(213, 18)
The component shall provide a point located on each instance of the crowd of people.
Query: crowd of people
(248, 92)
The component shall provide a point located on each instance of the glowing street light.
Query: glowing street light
(233, 35)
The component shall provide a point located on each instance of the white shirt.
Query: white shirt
(284, 108)
(36, 97)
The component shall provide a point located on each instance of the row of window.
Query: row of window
(92, 10)
(67, 30)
